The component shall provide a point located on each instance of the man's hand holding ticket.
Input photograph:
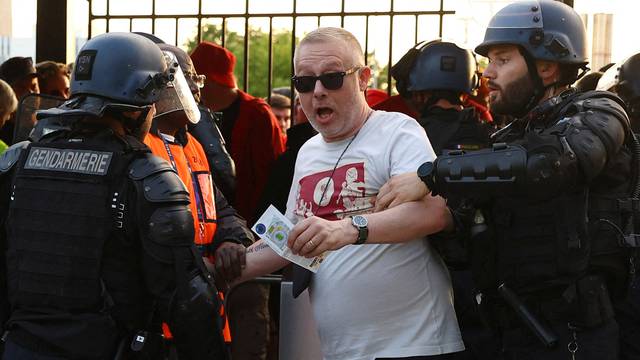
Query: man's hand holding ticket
(273, 227)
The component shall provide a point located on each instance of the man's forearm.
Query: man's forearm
(261, 260)
(403, 223)
(408, 221)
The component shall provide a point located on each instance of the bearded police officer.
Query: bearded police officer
(99, 235)
(555, 198)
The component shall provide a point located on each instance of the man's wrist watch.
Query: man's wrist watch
(425, 173)
(360, 222)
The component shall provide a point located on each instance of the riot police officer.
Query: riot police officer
(99, 235)
(442, 76)
(624, 80)
(206, 130)
(553, 222)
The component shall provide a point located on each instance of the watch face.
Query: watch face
(359, 221)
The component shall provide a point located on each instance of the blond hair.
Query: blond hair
(8, 101)
(328, 34)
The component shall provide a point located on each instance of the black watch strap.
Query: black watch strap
(363, 234)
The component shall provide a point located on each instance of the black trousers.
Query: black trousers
(628, 317)
(432, 357)
(13, 351)
(600, 343)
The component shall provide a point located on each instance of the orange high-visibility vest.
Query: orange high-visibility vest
(192, 167)
(190, 162)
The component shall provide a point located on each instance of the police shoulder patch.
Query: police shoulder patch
(87, 162)
(11, 156)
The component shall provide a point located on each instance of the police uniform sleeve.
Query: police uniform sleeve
(231, 226)
(570, 153)
(185, 295)
(7, 161)
(222, 166)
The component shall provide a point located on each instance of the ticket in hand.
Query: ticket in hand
(274, 228)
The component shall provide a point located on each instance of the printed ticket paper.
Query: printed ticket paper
(274, 228)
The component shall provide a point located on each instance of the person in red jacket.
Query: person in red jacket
(254, 139)
(248, 126)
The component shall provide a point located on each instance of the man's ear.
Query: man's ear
(364, 75)
(548, 71)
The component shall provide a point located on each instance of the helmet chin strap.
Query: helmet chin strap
(539, 89)
(132, 125)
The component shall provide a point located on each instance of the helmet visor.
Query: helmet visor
(609, 79)
(177, 95)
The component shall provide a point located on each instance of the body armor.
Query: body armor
(60, 224)
(558, 202)
(92, 218)
(454, 130)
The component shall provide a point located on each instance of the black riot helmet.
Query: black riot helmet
(444, 66)
(546, 29)
(543, 30)
(117, 72)
(624, 79)
(629, 85)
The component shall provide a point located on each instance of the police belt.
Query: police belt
(584, 304)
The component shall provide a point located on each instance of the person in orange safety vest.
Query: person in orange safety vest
(221, 234)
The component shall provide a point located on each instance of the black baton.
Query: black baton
(546, 335)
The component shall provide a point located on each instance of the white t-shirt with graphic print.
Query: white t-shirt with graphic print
(370, 301)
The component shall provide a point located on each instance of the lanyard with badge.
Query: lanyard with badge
(194, 183)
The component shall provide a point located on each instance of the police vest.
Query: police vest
(546, 245)
(455, 130)
(190, 162)
(68, 274)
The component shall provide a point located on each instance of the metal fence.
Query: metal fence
(103, 15)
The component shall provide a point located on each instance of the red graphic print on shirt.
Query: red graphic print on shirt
(333, 197)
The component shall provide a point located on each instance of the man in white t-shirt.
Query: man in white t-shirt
(381, 292)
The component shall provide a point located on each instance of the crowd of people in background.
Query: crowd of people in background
(305, 153)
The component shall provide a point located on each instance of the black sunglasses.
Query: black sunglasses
(331, 81)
